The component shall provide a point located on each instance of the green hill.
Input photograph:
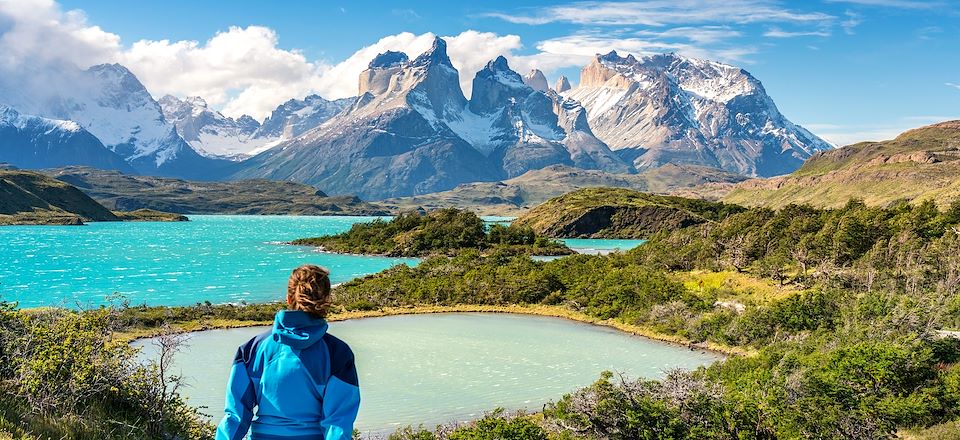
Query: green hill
(29, 198)
(920, 164)
(126, 192)
(618, 213)
(32, 198)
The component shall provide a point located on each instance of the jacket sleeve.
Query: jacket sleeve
(341, 398)
(239, 403)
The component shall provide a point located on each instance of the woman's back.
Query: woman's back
(301, 380)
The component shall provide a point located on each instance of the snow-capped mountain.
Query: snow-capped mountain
(208, 131)
(672, 109)
(386, 143)
(110, 102)
(33, 142)
(296, 116)
(509, 120)
(411, 131)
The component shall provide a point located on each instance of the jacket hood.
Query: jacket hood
(298, 329)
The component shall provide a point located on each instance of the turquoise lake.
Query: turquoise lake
(450, 367)
(220, 259)
(210, 258)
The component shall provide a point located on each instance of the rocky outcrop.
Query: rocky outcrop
(536, 80)
(562, 85)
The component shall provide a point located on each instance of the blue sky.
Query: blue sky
(848, 70)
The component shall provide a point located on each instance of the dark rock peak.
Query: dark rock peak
(436, 55)
(388, 59)
(499, 71)
(499, 65)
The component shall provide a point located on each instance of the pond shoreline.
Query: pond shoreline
(517, 309)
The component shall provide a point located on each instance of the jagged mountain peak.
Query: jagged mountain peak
(115, 70)
(388, 59)
(562, 85)
(536, 80)
(196, 101)
(436, 55)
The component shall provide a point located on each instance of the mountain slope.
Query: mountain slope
(672, 109)
(208, 131)
(34, 142)
(30, 198)
(110, 102)
(297, 116)
(120, 191)
(920, 164)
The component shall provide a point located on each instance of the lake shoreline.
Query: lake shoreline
(516, 309)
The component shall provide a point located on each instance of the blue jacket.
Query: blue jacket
(301, 380)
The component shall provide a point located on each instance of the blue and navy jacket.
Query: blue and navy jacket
(299, 380)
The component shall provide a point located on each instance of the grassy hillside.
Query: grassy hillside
(918, 165)
(519, 194)
(618, 213)
(32, 198)
(126, 192)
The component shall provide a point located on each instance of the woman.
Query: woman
(301, 380)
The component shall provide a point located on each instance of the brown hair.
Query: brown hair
(309, 290)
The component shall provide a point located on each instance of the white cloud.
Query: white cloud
(37, 32)
(901, 4)
(581, 48)
(851, 22)
(241, 69)
(954, 85)
(663, 12)
(776, 32)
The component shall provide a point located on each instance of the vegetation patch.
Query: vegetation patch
(445, 231)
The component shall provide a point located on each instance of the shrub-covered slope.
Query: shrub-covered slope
(618, 213)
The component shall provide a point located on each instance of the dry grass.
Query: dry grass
(737, 286)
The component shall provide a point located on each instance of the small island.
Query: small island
(444, 231)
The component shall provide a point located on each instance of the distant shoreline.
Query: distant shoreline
(517, 309)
